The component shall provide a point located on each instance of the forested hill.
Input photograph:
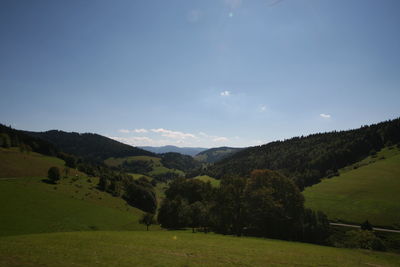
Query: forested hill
(10, 137)
(89, 145)
(308, 159)
(215, 154)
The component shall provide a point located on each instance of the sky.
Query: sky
(200, 73)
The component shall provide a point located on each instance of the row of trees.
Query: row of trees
(138, 193)
(307, 159)
(265, 204)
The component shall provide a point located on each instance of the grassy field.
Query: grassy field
(30, 205)
(156, 164)
(205, 178)
(14, 163)
(366, 190)
(175, 248)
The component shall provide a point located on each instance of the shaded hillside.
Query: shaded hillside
(216, 154)
(191, 151)
(10, 137)
(89, 145)
(178, 161)
(308, 159)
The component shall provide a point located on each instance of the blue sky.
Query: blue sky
(199, 73)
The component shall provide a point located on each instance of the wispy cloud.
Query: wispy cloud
(173, 134)
(225, 93)
(140, 131)
(263, 108)
(135, 140)
(123, 131)
(221, 139)
(161, 137)
(325, 116)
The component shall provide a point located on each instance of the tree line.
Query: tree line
(308, 159)
(264, 204)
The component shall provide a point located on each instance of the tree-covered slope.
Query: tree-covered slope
(89, 145)
(190, 151)
(308, 159)
(215, 154)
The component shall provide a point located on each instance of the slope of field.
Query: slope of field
(175, 248)
(368, 189)
(158, 167)
(14, 163)
(33, 206)
(205, 178)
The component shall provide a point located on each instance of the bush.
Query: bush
(363, 239)
(53, 174)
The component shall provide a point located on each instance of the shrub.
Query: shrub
(53, 174)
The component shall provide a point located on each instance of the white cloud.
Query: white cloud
(225, 93)
(263, 108)
(325, 116)
(140, 131)
(173, 134)
(220, 139)
(123, 131)
(135, 140)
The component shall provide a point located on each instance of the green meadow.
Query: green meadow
(175, 248)
(205, 178)
(158, 167)
(33, 206)
(367, 190)
(14, 163)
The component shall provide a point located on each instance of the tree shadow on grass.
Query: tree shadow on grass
(48, 181)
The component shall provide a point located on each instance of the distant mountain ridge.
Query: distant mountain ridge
(216, 154)
(89, 145)
(191, 151)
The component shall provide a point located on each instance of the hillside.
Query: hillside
(73, 204)
(175, 248)
(367, 190)
(190, 151)
(14, 163)
(89, 145)
(216, 154)
(308, 159)
(155, 165)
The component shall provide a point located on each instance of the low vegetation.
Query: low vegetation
(175, 248)
(366, 190)
(31, 205)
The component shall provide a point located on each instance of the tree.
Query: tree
(5, 140)
(53, 174)
(366, 226)
(274, 205)
(147, 219)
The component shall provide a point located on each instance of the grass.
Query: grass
(175, 248)
(14, 163)
(205, 178)
(32, 206)
(158, 167)
(366, 190)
